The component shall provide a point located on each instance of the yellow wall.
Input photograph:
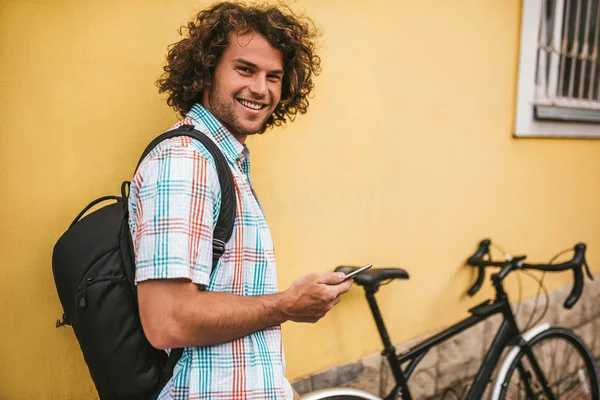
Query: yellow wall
(405, 159)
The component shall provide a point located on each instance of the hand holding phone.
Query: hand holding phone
(356, 272)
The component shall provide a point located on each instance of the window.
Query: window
(559, 71)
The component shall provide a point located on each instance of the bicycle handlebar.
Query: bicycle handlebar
(475, 261)
(576, 264)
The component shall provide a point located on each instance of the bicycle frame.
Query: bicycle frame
(508, 333)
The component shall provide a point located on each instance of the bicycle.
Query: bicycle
(528, 370)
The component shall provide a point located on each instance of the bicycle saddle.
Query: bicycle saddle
(372, 278)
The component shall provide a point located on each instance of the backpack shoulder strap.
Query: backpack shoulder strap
(224, 228)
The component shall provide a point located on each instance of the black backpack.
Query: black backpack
(94, 270)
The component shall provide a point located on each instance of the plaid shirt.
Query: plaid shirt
(174, 205)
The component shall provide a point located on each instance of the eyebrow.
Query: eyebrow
(251, 64)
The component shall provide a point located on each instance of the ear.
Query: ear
(205, 93)
(207, 79)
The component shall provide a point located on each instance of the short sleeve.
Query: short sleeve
(173, 199)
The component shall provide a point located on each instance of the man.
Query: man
(240, 71)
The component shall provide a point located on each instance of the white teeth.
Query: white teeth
(253, 106)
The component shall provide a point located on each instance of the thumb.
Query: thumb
(332, 278)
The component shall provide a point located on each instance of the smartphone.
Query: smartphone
(356, 272)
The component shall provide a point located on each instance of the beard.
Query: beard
(222, 108)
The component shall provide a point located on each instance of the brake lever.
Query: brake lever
(477, 285)
(587, 270)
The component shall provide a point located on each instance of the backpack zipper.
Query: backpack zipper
(88, 282)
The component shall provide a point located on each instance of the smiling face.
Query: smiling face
(246, 86)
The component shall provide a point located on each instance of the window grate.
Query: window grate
(567, 70)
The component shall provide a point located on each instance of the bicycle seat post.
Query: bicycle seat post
(389, 351)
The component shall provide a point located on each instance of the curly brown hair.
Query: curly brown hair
(191, 62)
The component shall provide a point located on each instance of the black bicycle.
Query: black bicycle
(543, 363)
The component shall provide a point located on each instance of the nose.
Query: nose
(259, 86)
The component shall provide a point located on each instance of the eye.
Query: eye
(274, 78)
(245, 71)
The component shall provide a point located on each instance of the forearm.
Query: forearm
(179, 315)
(221, 317)
(174, 313)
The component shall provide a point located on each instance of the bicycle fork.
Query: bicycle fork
(539, 374)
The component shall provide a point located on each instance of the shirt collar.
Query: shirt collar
(229, 145)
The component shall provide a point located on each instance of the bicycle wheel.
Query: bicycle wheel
(343, 397)
(340, 394)
(566, 363)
